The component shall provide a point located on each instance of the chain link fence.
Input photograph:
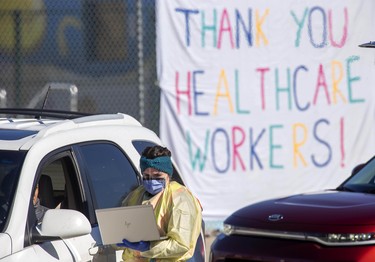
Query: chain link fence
(99, 52)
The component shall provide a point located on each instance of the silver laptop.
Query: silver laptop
(134, 223)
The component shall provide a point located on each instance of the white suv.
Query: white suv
(81, 163)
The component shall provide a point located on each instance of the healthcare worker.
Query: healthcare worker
(178, 213)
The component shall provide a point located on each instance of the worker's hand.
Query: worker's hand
(140, 246)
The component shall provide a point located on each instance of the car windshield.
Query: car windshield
(362, 181)
(10, 163)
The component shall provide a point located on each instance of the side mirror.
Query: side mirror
(357, 168)
(62, 223)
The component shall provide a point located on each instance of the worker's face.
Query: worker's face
(36, 193)
(154, 181)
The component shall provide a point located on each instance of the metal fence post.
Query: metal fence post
(141, 87)
(3, 98)
(17, 55)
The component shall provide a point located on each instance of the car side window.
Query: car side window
(58, 183)
(56, 186)
(111, 176)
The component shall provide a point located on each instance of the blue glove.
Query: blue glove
(140, 246)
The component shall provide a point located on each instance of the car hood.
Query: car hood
(314, 211)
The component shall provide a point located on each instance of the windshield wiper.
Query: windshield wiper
(345, 188)
(370, 191)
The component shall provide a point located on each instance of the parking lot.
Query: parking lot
(209, 239)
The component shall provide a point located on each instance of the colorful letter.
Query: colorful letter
(236, 145)
(209, 28)
(196, 94)
(258, 25)
(200, 157)
(298, 143)
(295, 89)
(321, 82)
(299, 25)
(187, 13)
(223, 78)
(279, 89)
(223, 153)
(349, 61)
(225, 26)
(273, 147)
(186, 92)
(247, 30)
(336, 80)
(253, 153)
(238, 109)
(345, 29)
(324, 23)
(321, 141)
(262, 91)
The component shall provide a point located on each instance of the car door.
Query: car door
(109, 176)
(63, 190)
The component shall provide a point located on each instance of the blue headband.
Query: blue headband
(161, 163)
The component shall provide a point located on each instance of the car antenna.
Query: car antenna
(44, 103)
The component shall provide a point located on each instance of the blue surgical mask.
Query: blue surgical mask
(154, 186)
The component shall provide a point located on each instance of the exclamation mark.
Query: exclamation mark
(342, 145)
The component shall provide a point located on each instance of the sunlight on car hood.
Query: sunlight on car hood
(329, 199)
(331, 208)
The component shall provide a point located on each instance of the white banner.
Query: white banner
(265, 98)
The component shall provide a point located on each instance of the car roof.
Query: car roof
(16, 132)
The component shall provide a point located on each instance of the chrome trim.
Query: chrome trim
(294, 236)
(275, 217)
